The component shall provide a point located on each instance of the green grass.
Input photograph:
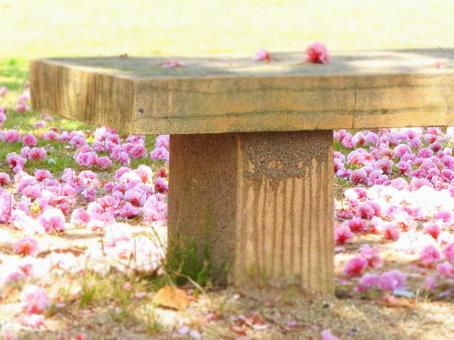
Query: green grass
(188, 262)
(59, 156)
(13, 73)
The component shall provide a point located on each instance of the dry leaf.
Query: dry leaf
(171, 297)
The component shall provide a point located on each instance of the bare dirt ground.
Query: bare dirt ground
(122, 306)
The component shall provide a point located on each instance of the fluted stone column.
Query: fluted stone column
(258, 205)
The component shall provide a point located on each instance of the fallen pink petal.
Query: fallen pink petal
(317, 53)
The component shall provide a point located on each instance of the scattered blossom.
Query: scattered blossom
(317, 53)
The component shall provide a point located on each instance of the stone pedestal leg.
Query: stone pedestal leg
(258, 205)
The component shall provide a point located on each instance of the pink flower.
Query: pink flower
(52, 219)
(11, 136)
(440, 64)
(39, 124)
(129, 211)
(120, 172)
(359, 139)
(89, 193)
(137, 151)
(155, 209)
(392, 280)
(161, 185)
(432, 228)
(4, 179)
(172, 64)
(3, 91)
(377, 208)
(25, 96)
(34, 300)
(37, 154)
(162, 172)
(401, 150)
(344, 214)
(343, 234)
(80, 216)
(22, 106)
(85, 158)
(87, 178)
(326, 335)
(358, 176)
(366, 211)
(429, 255)
(15, 162)
(430, 283)
(123, 158)
(135, 197)
(29, 140)
(32, 320)
(2, 116)
(160, 153)
(446, 216)
(8, 334)
(32, 191)
(355, 266)
(425, 153)
(50, 135)
(104, 162)
(448, 252)
(162, 141)
(144, 172)
(41, 175)
(390, 232)
(317, 53)
(25, 151)
(368, 281)
(446, 269)
(357, 225)
(26, 246)
(385, 165)
(262, 55)
(372, 255)
(78, 141)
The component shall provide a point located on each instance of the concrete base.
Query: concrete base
(258, 205)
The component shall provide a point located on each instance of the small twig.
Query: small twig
(199, 287)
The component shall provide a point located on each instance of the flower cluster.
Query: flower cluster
(400, 189)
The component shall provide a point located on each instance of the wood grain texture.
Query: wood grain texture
(263, 207)
(84, 96)
(285, 210)
(235, 94)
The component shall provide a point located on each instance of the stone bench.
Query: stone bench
(251, 166)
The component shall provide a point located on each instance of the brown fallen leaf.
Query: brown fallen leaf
(172, 297)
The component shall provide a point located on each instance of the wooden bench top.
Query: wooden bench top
(368, 89)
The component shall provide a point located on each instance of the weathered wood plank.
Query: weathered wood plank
(84, 96)
(235, 94)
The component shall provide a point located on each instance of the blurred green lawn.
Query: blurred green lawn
(41, 28)
(103, 27)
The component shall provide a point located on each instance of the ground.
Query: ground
(99, 286)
